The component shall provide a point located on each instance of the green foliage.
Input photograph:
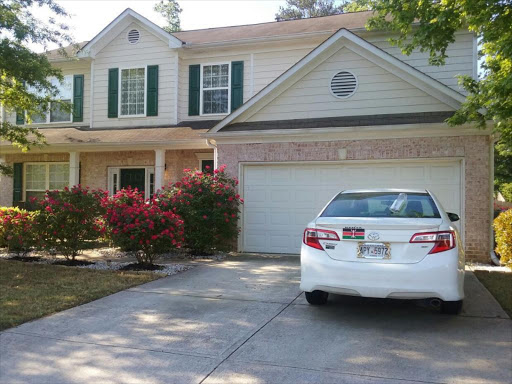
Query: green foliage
(503, 230)
(141, 227)
(490, 97)
(22, 69)
(69, 219)
(17, 230)
(506, 191)
(209, 206)
(502, 166)
(302, 9)
(170, 10)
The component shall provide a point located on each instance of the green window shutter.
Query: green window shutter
(78, 98)
(194, 89)
(237, 84)
(113, 91)
(20, 118)
(152, 91)
(17, 190)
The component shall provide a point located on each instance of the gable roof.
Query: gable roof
(326, 24)
(343, 37)
(122, 21)
(65, 53)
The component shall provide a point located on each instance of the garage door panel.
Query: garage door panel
(281, 199)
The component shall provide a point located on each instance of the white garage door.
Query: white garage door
(281, 199)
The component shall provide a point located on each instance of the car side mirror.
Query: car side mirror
(453, 216)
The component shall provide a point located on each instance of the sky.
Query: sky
(89, 17)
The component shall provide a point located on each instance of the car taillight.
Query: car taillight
(313, 236)
(443, 241)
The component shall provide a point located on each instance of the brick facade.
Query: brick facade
(474, 150)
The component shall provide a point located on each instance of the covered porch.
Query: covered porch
(147, 159)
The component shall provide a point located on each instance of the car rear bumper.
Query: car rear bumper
(440, 275)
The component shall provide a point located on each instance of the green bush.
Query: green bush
(17, 230)
(208, 203)
(503, 230)
(69, 219)
(506, 191)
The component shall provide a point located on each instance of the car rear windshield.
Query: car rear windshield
(377, 204)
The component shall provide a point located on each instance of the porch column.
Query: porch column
(159, 168)
(74, 168)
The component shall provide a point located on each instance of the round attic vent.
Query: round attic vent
(133, 36)
(343, 84)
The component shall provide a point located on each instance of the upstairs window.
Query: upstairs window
(133, 85)
(55, 113)
(215, 89)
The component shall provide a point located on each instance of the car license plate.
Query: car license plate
(373, 251)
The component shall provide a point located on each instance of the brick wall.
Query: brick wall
(474, 149)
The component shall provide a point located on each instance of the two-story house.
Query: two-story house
(297, 110)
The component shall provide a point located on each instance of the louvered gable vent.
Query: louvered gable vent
(133, 36)
(343, 84)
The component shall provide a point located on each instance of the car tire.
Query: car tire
(451, 307)
(317, 297)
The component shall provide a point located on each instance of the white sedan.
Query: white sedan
(384, 243)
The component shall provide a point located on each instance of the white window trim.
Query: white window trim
(47, 177)
(50, 106)
(201, 156)
(201, 113)
(120, 116)
(111, 171)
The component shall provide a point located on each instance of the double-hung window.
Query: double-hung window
(133, 85)
(40, 177)
(215, 79)
(54, 112)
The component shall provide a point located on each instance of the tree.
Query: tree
(170, 10)
(490, 96)
(25, 83)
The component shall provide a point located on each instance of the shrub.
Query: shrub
(69, 219)
(209, 205)
(503, 229)
(17, 230)
(506, 191)
(141, 227)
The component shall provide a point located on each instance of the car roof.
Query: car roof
(393, 190)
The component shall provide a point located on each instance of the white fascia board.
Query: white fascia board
(173, 41)
(360, 46)
(346, 133)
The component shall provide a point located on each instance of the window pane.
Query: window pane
(35, 176)
(378, 205)
(40, 118)
(38, 195)
(132, 91)
(65, 88)
(59, 176)
(57, 113)
(224, 69)
(215, 101)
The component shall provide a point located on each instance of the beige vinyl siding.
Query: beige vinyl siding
(74, 67)
(460, 59)
(119, 53)
(378, 92)
(263, 63)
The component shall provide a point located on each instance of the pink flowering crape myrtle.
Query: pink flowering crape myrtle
(141, 226)
(209, 205)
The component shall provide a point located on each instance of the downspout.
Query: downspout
(210, 144)
(495, 260)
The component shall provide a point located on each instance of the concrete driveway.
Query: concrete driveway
(244, 320)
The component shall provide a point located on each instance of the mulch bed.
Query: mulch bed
(141, 267)
(26, 259)
(73, 263)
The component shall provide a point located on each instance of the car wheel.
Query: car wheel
(451, 307)
(317, 297)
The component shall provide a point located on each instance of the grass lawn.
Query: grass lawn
(500, 285)
(29, 291)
